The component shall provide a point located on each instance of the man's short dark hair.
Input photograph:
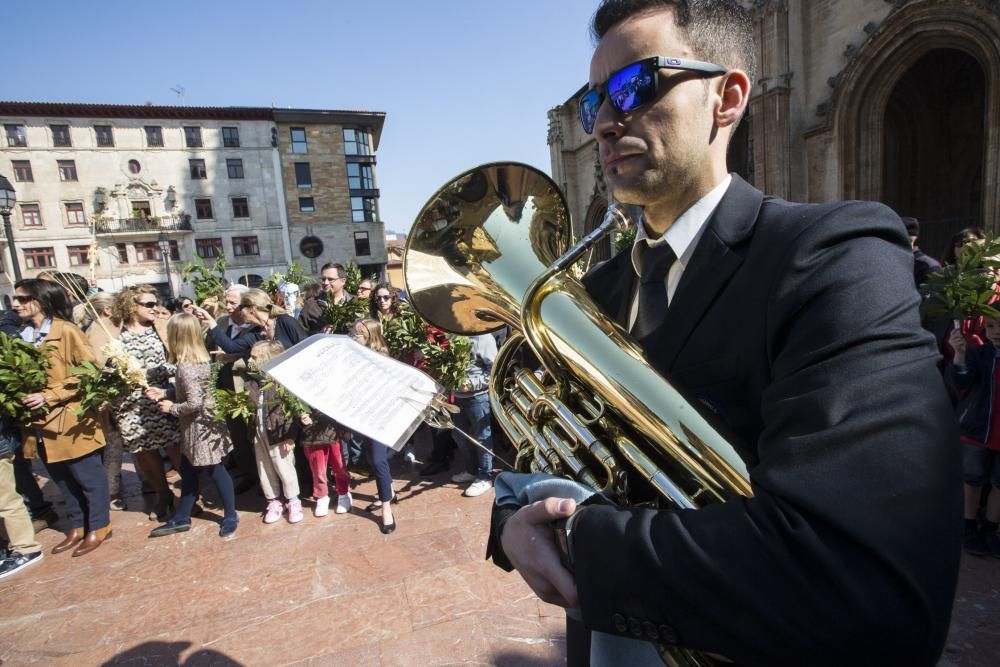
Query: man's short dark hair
(339, 268)
(718, 31)
(51, 297)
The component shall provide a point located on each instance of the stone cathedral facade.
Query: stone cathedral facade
(889, 100)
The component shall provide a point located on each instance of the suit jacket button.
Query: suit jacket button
(634, 627)
(668, 635)
(650, 631)
(619, 622)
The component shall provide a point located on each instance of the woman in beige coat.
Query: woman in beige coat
(69, 445)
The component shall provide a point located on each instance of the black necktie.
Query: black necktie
(656, 262)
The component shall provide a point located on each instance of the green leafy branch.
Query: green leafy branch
(965, 289)
(340, 317)
(206, 282)
(98, 387)
(22, 371)
(294, 275)
(407, 336)
(234, 405)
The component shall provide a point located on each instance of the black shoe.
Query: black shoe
(15, 562)
(386, 530)
(169, 528)
(228, 527)
(118, 505)
(371, 507)
(433, 468)
(974, 541)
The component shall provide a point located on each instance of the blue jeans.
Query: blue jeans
(473, 417)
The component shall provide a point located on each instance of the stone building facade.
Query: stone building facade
(888, 100)
(104, 190)
(329, 182)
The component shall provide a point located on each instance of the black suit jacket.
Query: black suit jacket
(795, 328)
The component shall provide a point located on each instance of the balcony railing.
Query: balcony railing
(143, 225)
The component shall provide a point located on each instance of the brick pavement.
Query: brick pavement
(330, 591)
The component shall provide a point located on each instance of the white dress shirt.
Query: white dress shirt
(682, 236)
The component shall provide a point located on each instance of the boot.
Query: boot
(93, 540)
(73, 537)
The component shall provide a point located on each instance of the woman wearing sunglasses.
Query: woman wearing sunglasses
(384, 303)
(143, 426)
(70, 445)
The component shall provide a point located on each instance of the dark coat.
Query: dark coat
(976, 387)
(287, 331)
(279, 427)
(799, 325)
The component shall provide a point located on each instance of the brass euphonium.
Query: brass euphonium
(491, 248)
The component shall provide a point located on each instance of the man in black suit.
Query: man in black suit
(795, 329)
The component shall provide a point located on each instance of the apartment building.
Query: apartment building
(328, 163)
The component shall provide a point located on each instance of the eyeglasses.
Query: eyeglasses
(23, 299)
(387, 297)
(149, 304)
(330, 280)
(635, 86)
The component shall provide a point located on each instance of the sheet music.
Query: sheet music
(365, 391)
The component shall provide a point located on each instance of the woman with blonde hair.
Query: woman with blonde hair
(257, 309)
(204, 439)
(143, 427)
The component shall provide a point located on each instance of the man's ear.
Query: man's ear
(734, 95)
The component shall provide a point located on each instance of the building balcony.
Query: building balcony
(143, 225)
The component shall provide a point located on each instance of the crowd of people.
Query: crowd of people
(171, 426)
(969, 350)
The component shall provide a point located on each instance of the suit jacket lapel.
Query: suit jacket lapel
(710, 268)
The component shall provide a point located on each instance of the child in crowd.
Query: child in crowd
(204, 439)
(321, 444)
(274, 441)
(975, 372)
(368, 332)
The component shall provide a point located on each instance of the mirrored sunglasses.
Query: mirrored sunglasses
(636, 85)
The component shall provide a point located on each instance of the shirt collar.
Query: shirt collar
(683, 235)
(28, 333)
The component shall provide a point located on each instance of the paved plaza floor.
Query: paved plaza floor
(327, 591)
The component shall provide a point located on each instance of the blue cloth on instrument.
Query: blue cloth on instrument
(516, 488)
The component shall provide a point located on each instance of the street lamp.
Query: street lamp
(164, 243)
(7, 199)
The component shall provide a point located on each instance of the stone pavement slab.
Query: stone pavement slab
(327, 591)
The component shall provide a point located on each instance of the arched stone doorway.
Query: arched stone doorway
(934, 143)
(881, 98)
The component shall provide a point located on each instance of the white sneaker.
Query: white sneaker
(344, 503)
(463, 477)
(322, 506)
(478, 488)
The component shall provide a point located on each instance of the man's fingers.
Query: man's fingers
(548, 510)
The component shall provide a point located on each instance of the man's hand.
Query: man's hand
(959, 345)
(529, 540)
(165, 406)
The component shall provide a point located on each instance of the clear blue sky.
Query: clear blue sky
(461, 82)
